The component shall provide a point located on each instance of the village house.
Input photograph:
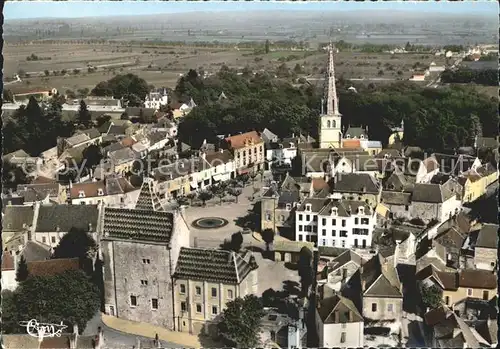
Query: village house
(41, 190)
(155, 100)
(158, 140)
(281, 153)
(397, 204)
(461, 284)
(248, 151)
(122, 160)
(382, 297)
(452, 165)
(289, 251)
(112, 192)
(221, 163)
(357, 186)
(436, 201)
(338, 323)
(39, 95)
(9, 267)
(475, 182)
(204, 281)
(140, 248)
(269, 137)
(165, 125)
(338, 272)
(281, 329)
(486, 248)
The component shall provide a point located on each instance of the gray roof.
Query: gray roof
(344, 258)
(91, 132)
(355, 132)
(486, 142)
(138, 224)
(65, 217)
(147, 198)
(122, 155)
(15, 217)
(488, 236)
(316, 204)
(328, 251)
(34, 251)
(268, 136)
(156, 137)
(431, 193)
(117, 130)
(77, 139)
(395, 198)
(356, 183)
(113, 147)
(136, 111)
(381, 279)
(180, 168)
(338, 309)
(212, 265)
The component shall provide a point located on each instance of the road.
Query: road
(119, 340)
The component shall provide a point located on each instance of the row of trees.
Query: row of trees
(129, 87)
(73, 296)
(488, 77)
(435, 119)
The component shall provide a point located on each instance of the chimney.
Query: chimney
(195, 242)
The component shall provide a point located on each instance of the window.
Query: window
(447, 300)
(300, 228)
(365, 221)
(214, 292)
(390, 307)
(374, 307)
(342, 337)
(469, 292)
(154, 303)
(308, 217)
(198, 308)
(343, 222)
(182, 288)
(334, 233)
(44, 240)
(53, 239)
(333, 243)
(328, 124)
(300, 217)
(356, 220)
(183, 306)
(323, 221)
(485, 295)
(355, 242)
(146, 261)
(198, 290)
(323, 242)
(268, 216)
(300, 237)
(144, 282)
(230, 294)
(338, 272)
(133, 301)
(343, 233)
(214, 310)
(343, 243)
(334, 222)
(323, 232)
(288, 207)
(282, 218)
(407, 207)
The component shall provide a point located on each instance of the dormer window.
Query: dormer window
(308, 207)
(362, 137)
(348, 136)
(81, 194)
(100, 192)
(361, 210)
(334, 211)
(288, 207)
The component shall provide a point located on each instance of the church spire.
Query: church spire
(332, 103)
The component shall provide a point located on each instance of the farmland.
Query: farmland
(161, 65)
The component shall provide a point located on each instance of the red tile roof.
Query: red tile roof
(7, 261)
(53, 266)
(91, 189)
(129, 141)
(319, 184)
(239, 141)
(351, 144)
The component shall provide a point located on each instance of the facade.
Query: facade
(155, 100)
(112, 192)
(221, 164)
(339, 271)
(248, 151)
(339, 324)
(9, 267)
(435, 201)
(205, 280)
(140, 249)
(330, 123)
(485, 248)
(358, 186)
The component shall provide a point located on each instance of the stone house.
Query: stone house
(435, 201)
(461, 284)
(122, 160)
(32, 192)
(339, 323)
(140, 248)
(221, 164)
(283, 330)
(205, 280)
(339, 271)
(486, 248)
(397, 204)
(357, 186)
(382, 297)
(248, 151)
(289, 251)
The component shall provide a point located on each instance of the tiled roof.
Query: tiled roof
(211, 265)
(488, 236)
(91, 132)
(319, 183)
(268, 136)
(395, 198)
(122, 156)
(117, 130)
(77, 139)
(380, 279)
(316, 205)
(148, 200)
(90, 189)
(218, 157)
(477, 278)
(136, 111)
(344, 258)
(355, 132)
(138, 224)
(53, 266)
(338, 309)
(113, 147)
(328, 251)
(431, 193)
(7, 261)
(16, 217)
(34, 251)
(156, 137)
(238, 141)
(351, 143)
(128, 141)
(65, 217)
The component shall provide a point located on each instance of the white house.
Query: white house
(155, 100)
(113, 192)
(8, 271)
(281, 153)
(165, 125)
(338, 323)
(221, 165)
(336, 223)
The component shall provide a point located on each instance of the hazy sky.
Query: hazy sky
(74, 9)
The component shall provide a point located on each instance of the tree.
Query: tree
(124, 116)
(241, 322)
(236, 192)
(46, 72)
(133, 100)
(70, 94)
(266, 46)
(76, 71)
(77, 244)
(10, 315)
(70, 297)
(102, 119)
(92, 156)
(244, 178)
(305, 270)
(204, 196)
(22, 270)
(220, 191)
(191, 196)
(122, 85)
(431, 296)
(297, 69)
(268, 237)
(84, 117)
(236, 241)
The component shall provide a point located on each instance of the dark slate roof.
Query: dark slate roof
(316, 205)
(453, 164)
(389, 153)
(9, 200)
(380, 279)
(431, 193)
(338, 309)
(91, 132)
(16, 216)
(156, 137)
(488, 236)
(288, 197)
(344, 258)
(356, 132)
(138, 224)
(395, 198)
(212, 265)
(356, 183)
(50, 217)
(113, 147)
(136, 111)
(328, 251)
(148, 200)
(117, 130)
(34, 251)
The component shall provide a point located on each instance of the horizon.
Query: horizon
(26, 10)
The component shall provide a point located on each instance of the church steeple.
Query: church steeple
(332, 106)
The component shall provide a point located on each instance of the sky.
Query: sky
(78, 9)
